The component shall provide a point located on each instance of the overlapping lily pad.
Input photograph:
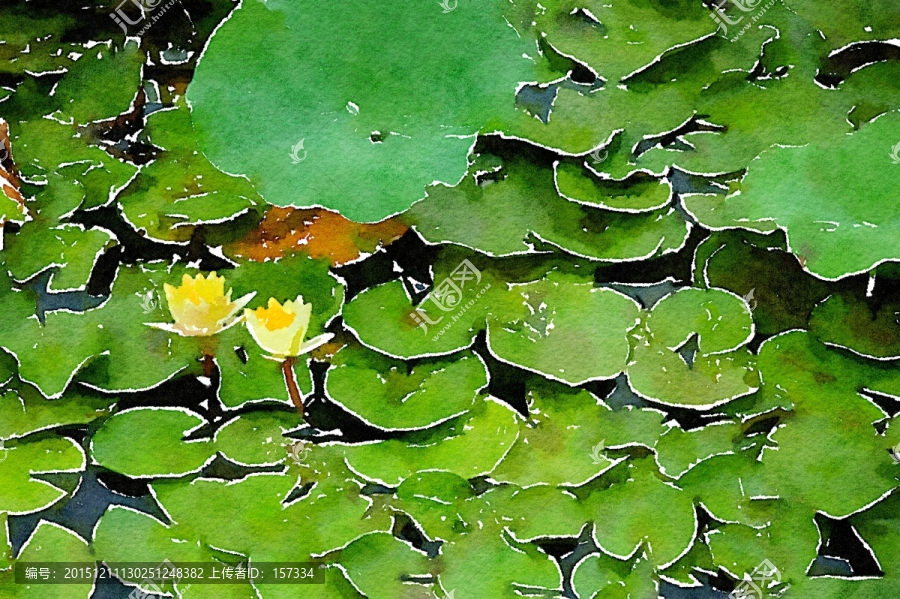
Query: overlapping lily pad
(831, 230)
(507, 216)
(393, 395)
(558, 315)
(564, 439)
(471, 445)
(20, 492)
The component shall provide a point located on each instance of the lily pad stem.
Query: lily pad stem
(209, 365)
(293, 391)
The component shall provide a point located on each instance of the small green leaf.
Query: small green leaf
(148, 442)
(20, 493)
(49, 542)
(555, 317)
(392, 395)
(480, 440)
(722, 321)
(256, 438)
(378, 564)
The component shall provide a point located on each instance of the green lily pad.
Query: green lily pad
(20, 493)
(434, 500)
(181, 188)
(248, 516)
(151, 542)
(642, 509)
(148, 442)
(477, 442)
(100, 85)
(678, 450)
(382, 318)
(248, 375)
(662, 375)
(732, 489)
(5, 548)
(852, 467)
(637, 194)
(27, 411)
(105, 339)
(848, 321)
(556, 317)
(722, 321)
(880, 528)
(392, 395)
(600, 575)
(564, 438)
(618, 39)
(378, 563)
(505, 217)
(45, 148)
(789, 545)
(36, 248)
(49, 542)
(759, 268)
(389, 125)
(832, 232)
(505, 565)
(256, 438)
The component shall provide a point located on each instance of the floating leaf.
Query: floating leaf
(636, 194)
(564, 438)
(558, 316)
(641, 509)
(256, 438)
(27, 411)
(856, 469)
(394, 396)
(849, 321)
(378, 564)
(524, 206)
(149, 442)
(390, 125)
(721, 320)
(600, 575)
(831, 230)
(20, 493)
(181, 188)
(479, 440)
(49, 542)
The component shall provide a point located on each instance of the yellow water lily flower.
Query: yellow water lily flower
(200, 306)
(280, 328)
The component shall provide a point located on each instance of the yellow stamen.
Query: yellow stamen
(275, 317)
